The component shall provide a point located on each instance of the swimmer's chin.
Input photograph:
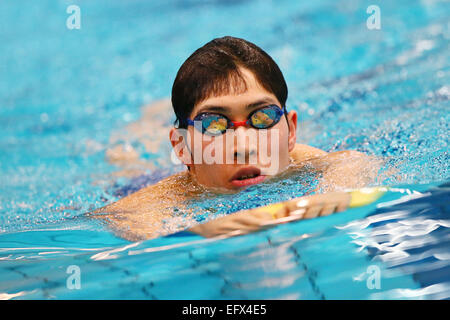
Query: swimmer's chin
(219, 190)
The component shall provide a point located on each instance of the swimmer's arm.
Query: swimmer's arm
(247, 221)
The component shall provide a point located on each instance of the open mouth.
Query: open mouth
(247, 176)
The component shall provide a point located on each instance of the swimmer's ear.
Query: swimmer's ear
(292, 123)
(178, 138)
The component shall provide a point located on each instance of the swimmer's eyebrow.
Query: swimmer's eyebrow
(226, 110)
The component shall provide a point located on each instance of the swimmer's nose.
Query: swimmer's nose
(244, 155)
(244, 149)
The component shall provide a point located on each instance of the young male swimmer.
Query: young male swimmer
(226, 90)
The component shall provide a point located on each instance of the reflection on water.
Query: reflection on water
(407, 241)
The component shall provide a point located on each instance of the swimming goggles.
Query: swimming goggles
(216, 124)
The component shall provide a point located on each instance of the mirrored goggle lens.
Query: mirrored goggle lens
(214, 124)
(265, 118)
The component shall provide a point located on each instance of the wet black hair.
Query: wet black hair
(213, 70)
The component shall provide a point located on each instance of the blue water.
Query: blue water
(66, 95)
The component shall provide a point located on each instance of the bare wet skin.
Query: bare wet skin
(161, 209)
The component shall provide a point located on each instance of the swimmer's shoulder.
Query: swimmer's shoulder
(303, 152)
(169, 189)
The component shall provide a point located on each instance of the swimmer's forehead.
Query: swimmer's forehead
(222, 106)
(241, 92)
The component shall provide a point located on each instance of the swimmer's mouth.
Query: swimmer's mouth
(247, 176)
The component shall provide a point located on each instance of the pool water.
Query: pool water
(67, 97)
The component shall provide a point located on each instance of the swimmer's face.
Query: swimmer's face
(252, 153)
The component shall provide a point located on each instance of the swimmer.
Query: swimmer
(235, 83)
